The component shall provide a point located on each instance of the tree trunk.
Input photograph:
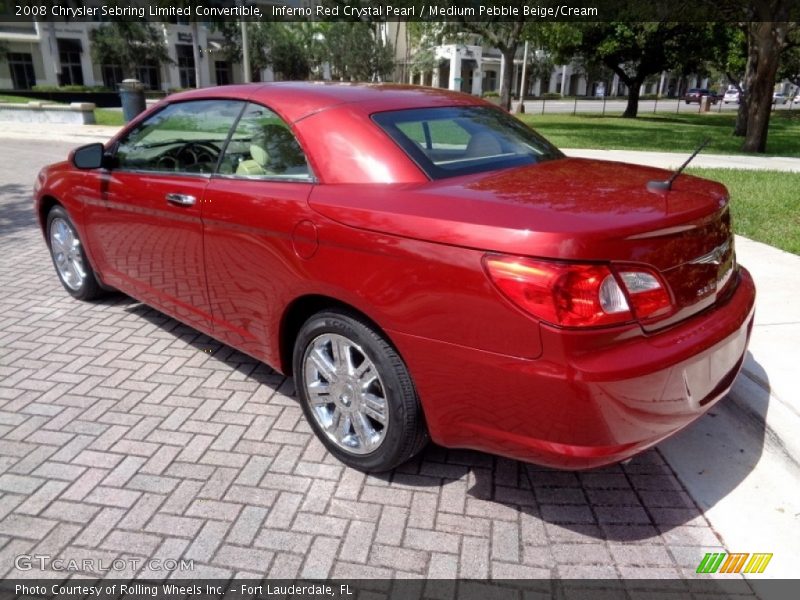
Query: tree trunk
(508, 76)
(632, 109)
(765, 42)
(740, 128)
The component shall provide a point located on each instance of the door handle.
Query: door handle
(181, 199)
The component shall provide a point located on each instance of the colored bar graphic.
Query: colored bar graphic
(711, 562)
(740, 562)
(732, 563)
(758, 563)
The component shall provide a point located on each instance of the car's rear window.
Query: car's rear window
(459, 140)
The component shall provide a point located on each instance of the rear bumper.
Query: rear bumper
(593, 397)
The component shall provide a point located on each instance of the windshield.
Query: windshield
(451, 141)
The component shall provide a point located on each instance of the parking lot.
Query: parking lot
(126, 435)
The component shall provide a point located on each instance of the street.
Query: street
(615, 107)
(125, 433)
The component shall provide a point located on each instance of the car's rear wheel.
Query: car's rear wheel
(357, 393)
(69, 258)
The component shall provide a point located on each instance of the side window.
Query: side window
(263, 147)
(185, 137)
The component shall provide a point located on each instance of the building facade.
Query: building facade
(59, 54)
(478, 70)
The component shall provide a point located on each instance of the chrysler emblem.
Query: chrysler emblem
(714, 257)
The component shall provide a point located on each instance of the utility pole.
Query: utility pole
(521, 105)
(245, 52)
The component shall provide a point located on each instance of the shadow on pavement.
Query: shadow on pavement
(244, 364)
(634, 502)
(17, 209)
(718, 452)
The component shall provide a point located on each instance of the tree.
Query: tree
(423, 37)
(765, 42)
(287, 55)
(128, 44)
(728, 57)
(506, 36)
(310, 35)
(790, 58)
(357, 53)
(294, 50)
(634, 51)
(259, 38)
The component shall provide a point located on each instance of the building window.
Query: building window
(185, 65)
(222, 72)
(490, 81)
(112, 76)
(69, 54)
(149, 73)
(23, 77)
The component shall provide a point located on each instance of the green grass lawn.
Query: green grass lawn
(105, 116)
(664, 132)
(765, 204)
(14, 99)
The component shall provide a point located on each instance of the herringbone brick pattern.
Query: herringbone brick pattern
(126, 434)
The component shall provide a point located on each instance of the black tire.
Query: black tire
(87, 287)
(404, 433)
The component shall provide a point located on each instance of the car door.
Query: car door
(147, 223)
(257, 230)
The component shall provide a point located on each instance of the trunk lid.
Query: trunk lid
(567, 209)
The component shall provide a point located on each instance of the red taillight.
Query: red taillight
(577, 295)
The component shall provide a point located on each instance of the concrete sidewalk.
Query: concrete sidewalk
(748, 452)
(56, 132)
(673, 160)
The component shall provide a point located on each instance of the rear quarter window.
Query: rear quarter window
(450, 141)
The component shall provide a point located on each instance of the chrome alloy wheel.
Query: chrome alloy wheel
(66, 249)
(345, 393)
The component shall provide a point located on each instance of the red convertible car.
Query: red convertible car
(423, 264)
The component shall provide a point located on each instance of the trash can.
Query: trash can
(705, 103)
(131, 92)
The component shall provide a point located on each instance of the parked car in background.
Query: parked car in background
(422, 263)
(732, 95)
(779, 98)
(695, 94)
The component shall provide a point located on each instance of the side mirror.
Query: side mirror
(91, 156)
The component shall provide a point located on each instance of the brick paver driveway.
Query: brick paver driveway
(126, 434)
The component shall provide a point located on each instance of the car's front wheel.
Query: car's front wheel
(357, 393)
(69, 258)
